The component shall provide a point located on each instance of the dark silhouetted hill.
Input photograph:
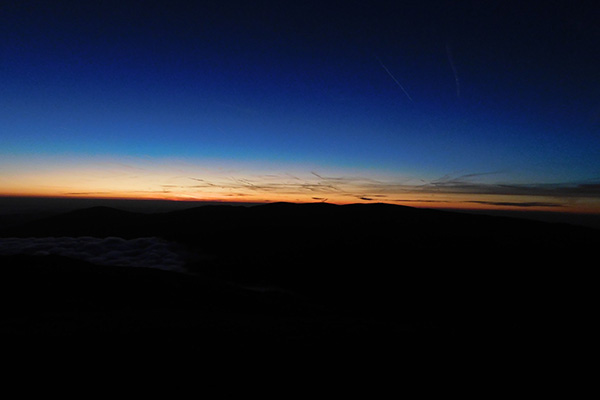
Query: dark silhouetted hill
(307, 273)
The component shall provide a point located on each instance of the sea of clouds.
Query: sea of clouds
(150, 252)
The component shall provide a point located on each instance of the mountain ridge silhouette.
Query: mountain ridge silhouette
(388, 271)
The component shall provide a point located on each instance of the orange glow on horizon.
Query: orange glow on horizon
(428, 204)
(185, 181)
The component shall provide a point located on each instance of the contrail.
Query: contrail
(395, 80)
(449, 53)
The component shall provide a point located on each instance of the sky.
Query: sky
(443, 104)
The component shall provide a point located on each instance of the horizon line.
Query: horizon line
(413, 203)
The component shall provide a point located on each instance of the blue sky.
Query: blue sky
(408, 94)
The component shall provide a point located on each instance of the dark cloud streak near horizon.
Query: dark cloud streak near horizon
(462, 184)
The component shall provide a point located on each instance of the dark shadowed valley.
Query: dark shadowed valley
(360, 279)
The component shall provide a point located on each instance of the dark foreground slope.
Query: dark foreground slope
(372, 278)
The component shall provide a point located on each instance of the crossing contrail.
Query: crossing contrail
(395, 80)
(449, 54)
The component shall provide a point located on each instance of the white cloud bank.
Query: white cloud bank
(150, 252)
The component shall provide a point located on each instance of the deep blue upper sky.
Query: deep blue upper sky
(506, 91)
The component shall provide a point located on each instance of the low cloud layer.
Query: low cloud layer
(147, 252)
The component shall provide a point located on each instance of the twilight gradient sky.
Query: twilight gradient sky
(472, 104)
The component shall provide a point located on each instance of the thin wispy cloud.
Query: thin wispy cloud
(465, 184)
(451, 61)
(465, 179)
(487, 188)
(517, 204)
(394, 79)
